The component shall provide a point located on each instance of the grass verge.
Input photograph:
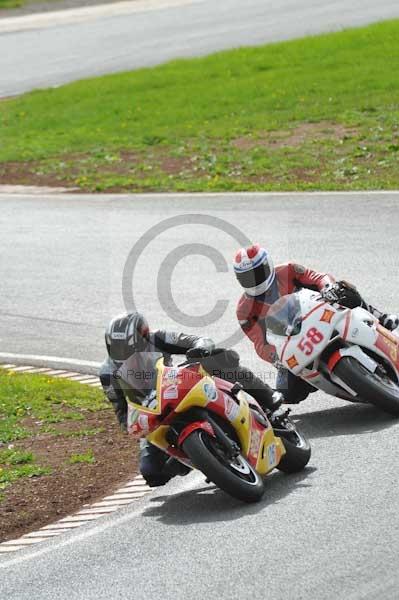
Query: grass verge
(316, 113)
(10, 3)
(4, 4)
(59, 448)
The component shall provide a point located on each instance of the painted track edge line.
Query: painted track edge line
(84, 367)
(154, 195)
(81, 14)
(125, 495)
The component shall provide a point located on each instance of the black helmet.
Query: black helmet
(125, 335)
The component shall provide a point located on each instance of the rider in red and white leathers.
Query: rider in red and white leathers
(264, 284)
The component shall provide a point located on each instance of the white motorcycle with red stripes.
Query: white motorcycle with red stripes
(344, 352)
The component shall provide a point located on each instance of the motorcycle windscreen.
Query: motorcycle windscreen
(138, 377)
(285, 316)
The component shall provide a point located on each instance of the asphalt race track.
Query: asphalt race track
(329, 532)
(76, 47)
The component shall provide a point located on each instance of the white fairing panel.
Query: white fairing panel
(322, 322)
(319, 320)
(359, 330)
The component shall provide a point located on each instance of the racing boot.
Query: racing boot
(390, 322)
(278, 413)
(387, 320)
(174, 467)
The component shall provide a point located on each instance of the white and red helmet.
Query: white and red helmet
(254, 270)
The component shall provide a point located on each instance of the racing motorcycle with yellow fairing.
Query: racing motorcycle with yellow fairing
(208, 424)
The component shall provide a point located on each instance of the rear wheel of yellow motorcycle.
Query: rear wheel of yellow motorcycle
(297, 448)
(234, 476)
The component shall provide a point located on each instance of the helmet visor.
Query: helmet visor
(254, 277)
(119, 350)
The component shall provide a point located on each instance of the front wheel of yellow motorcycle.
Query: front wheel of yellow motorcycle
(233, 475)
(297, 450)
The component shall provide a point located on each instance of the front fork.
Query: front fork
(208, 424)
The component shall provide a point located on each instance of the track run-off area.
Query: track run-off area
(93, 41)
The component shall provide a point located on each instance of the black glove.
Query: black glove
(330, 293)
(227, 357)
(343, 293)
(121, 415)
(197, 353)
(218, 356)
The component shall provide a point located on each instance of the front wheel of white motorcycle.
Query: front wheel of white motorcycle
(375, 388)
(232, 475)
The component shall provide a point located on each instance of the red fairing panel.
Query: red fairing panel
(204, 425)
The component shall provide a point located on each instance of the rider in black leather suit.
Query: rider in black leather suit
(130, 333)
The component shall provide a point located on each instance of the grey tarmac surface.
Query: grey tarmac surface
(331, 531)
(53, 55)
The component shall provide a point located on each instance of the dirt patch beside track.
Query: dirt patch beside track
(58, 461)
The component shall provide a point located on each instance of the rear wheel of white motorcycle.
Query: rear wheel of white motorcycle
(297, 450)
(375, 388)
(234, 476)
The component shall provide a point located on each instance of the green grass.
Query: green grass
(15, 457)
(15, 464)
(10, 3)
(29, 404)
(87, 457)
(8, 476)
(27, 398)
(19, 3)
(315, 113)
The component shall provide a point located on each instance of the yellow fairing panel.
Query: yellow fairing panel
(271, 448)
(271, 451)
(196, 396)
(158, 437)
(242, 423)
